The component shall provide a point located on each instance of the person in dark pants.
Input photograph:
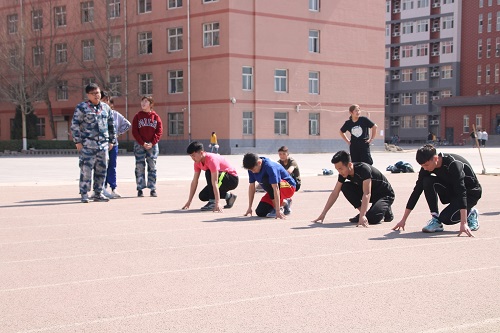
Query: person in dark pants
(220, 175)
(275, 180)
(363, 131)
(451, 178)
(361, 184)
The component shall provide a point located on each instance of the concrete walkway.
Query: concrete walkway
(143, 265)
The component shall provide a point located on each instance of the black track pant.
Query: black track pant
(451, 214)
(227, 182)
(379, 207)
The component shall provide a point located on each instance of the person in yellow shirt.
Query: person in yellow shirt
(214, 146)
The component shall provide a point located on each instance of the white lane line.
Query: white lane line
(258, 298)
(229, 265)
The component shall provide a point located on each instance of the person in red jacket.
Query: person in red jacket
(147, 130)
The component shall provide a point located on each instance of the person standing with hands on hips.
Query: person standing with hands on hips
(360, 129)
(147, 130)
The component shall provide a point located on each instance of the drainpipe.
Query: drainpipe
(189, 67)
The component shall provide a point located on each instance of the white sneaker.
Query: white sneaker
(107, 194)
(115, 194)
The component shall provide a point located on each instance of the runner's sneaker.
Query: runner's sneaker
(107, 194)
(115, 194)
(354, 219)
(209, 206)
(433, 225)
(140, 193)
(99, 197)
(85, 198)
(472, 221)
(389, 216)
(230, 201)
(153, 193)
(272, 213)
(287, 207)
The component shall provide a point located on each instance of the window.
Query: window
(489, 22)
(314, 83)
(407, 51)
(281, 123)
(174, 4)
(61, 53)
(314, 41)
(176, 123)
(115, 85)
(448, 22)
(115, 47)
(446, 72)
(175, 82)
(175, 42)
(247, 122)
(280, 80)
(38, 56)
(445, 2)
(421, 121)
(88, 50)
(60, 16)
(113, 9)
(14, 57)
(12, 23)
(314, 5)
(497, 47)
(62, 90)
(479, 48)
(40, 126)
(421, 74)
(422, 50)
(446, 93)
(211, 34)
(422, 3)
(313, 123)
(488, 73)
(480, 23)
(498, 21)
(407, 28)
(145, 6)
(37, 19)
(421, 98)
(479, 74)
(479, 121)
(145, 42)
(497, 73)
(407, 75)
(405, 122)
(87, 9)
(407, 4)
(146, 84)
(247, 78)
(447, 47)
(466, 124)
(488, 48)
(407, 99)
(422, 25)
(208, 1)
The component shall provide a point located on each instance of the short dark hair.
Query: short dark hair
(91, 87)
(425, 153)
(104, 93)
(341, 156)
(283, 149)
(194, 147)
(250, 160)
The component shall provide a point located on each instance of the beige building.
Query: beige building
(260, 73)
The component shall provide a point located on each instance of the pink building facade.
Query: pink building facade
(260, 73)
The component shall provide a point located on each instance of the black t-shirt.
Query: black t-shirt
(456, 174)
(359, 130)
(380, 185)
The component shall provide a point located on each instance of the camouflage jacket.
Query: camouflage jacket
(93, 126)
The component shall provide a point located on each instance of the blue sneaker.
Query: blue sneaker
(272, 213)
(433, 225)
(286, 208)
(472, 221)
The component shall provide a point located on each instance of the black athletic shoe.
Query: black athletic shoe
(389, 216)
(153, 193)
(140, 193)
(354, 219)
(99, 197)
(230, 201)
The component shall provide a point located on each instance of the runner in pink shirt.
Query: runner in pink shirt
(220, 175)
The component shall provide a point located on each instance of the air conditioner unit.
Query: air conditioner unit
(435, 29)
(396, 57)
(435, 98)
(395, 77)
(434, 122)
(396, 10)
(434, 74)
(436, 5)
(394, 123)
(395, 100)
(435, 53)
(395, 34)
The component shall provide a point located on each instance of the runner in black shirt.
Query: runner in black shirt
(360, 129)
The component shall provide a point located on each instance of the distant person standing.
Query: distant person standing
(122, 125)
(363, 131)
(479, 134)
(93, 131)
(214, 145)
(290, 165)
(484, 138)
(147, 129)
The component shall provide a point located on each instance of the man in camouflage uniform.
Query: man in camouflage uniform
(93, 132)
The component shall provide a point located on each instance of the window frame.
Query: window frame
(172, 4)
(314, 83)
(37, 19)
(247, 78)
(175, 81)
(146, 82)
(281, 123)
(60, 17)
(145, 42)
(114, 9)
(314, 124)
(88, 51)
(12, 23)
(175, 123)
(147, 6)
(314, 45)
(87, 11)
(248, 123)
(280, 81)
(177, 37)
(61, 53)
(211, 34)
(62, 92)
